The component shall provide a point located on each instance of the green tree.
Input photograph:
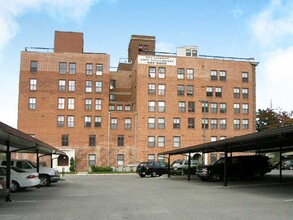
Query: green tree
(72, 165)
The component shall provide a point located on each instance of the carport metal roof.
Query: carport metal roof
(272, 140)
(18, 141)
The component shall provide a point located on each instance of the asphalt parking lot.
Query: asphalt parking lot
(132, 197)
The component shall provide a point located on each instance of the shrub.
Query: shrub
(98, 169)
(72, 165)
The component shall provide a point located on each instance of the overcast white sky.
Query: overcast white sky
(240, 28)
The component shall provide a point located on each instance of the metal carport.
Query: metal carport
(273, 140)
(13, 140)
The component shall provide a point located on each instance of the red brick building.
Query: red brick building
(153, 102)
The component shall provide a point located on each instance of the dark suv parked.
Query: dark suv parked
(240, 167)
(152, 168)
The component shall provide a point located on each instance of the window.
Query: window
(70, 103)
(189, 74)
(180, 73)
(34, 66)
(112, 98)
(98, 121)
(120, 140)
(245, 109)
(191, 107)
(180, 90)
(120, 159)
(87, 121)
(98, 104)
(161, 123)
(92, 160)
(119, 107)
(161, 106)
(92, 140)
(88, 86)
(190, 90)
(181, 106)
(161, 89)
(176, 122)
(152, 106)
(72, 68)
(127, 108)
(152, 72)
(205, 123)
(71, 85)
(99, 69)
(89, 69)
(237, 124)
(99, 86)
(223, 123)
(222, 75)
(61, 103)
(176, 141)
(162, 72)
(204, 106)
(60, 121)
(245, 93)
(218, 91)
(194, 53)
(191, 123)
(161, 141)
(112, 84)
(237, 93)
(140, 47)
(62, 68)
(214, 123)
(151, 141)
(244, 77)
(222, 137)
(111, 107)
(223, 108)
(33, 84)
(236, 108)
(152, 89)
(32, 103)
(214, 107)
(88, 104)
(114, 123)
(70, 121)
(245, 124)
(214, 75)
(209, 91)
(127, 123)
(62, 85)
(188, 52)
(151, 157)
(64, 140)
(151, 123)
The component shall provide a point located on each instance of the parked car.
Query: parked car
(152, 168)
(47, 175)
(180, 167)
(253, 166)
(287, 165)
(20, 179)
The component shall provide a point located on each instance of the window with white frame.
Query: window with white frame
(70, 103)
(245, 93)
(127, 108)
(161, 106)
(114, 123)
(191, 106)
(92, 140)
(161, 89)
(223, 107)
(162, 72)
(151, 141)
(204, 123)
(119, 107)
(99, 86)
(89, 69)
(61, 103)
(111, 108)
(245, 109)
(204, 106)
(62, 67)
(99, 69)
(161, 141)
(237, 124)
(222, 75)
(62, 85)
(87, 121)
(152, 72)
(209, 91)
(236, 108)
(176, 141)
(88, 86)
(152, 89)
(180, 73)
(245, 124)
(127, 123)
(191, 123)
(98, 121)
(214, 123)
(112, 97)
(190, 74)
(88, 104)
(120, 159)
(120, 140)
(71, 85)
(214, 75)
(70, 121)
(32, 103)
(60, 121)
(161, 123)
(188, 52)
(218, 91)
(236, 93)
(214, 107)
(64, 140)
(176, 122)
(161, 158)
(98, 104)
(33, 84)
(72, 68)
(213, 138)
(151, 123)
(181, 106)
(223, 123)
(152, 106)
(92, 160)
(34, 66)
(244, 76)
(222, 137)
(189, 90)
(180, 90)
(151, 157)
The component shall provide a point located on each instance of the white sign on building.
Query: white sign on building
(155, 60)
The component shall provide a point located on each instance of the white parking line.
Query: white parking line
(289, 200)
(26, 201)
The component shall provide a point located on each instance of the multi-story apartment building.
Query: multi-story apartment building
(153, 102)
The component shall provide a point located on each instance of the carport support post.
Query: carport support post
(225, 169)
(8, 166)
(280, 164)
(189, 166)
(169, 166)
(38, 161)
